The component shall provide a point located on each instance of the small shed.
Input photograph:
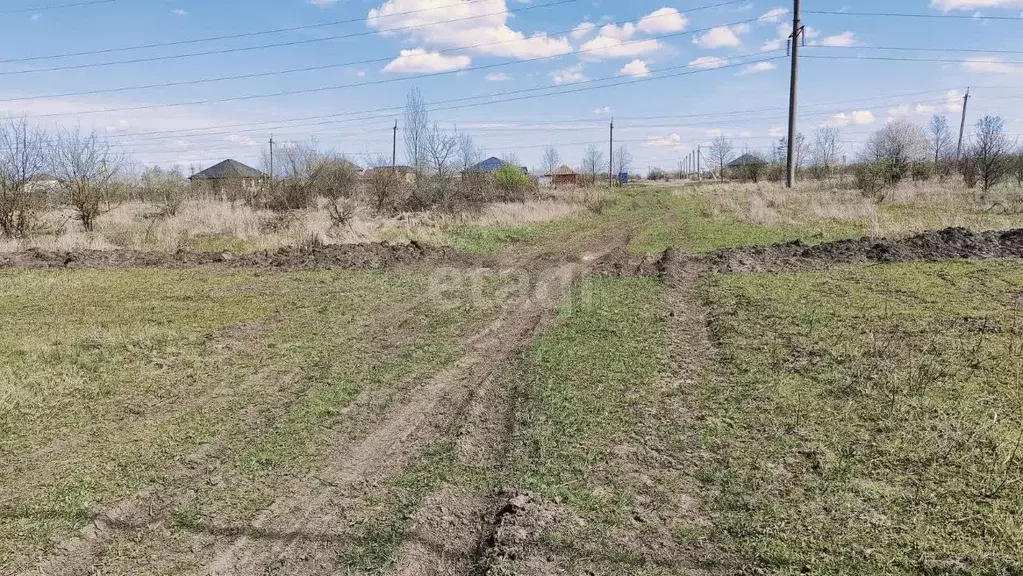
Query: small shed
(564, 176)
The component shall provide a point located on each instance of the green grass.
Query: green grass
(114, 382)
(600, 432)
(868, 420)
(693, 223)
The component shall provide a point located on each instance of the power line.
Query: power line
(911, 15)
(903, 59)
(325, 88)
(562, 92)
(56, 6)
(279, 124)
(281, 44)
(224, 37)
(921, 49)
(380, 60)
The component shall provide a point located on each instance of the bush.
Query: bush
(921, 171)
(874, 179)
(166, 188)
(510, 180)
(19, 210)
(971, 175)
(657, 174)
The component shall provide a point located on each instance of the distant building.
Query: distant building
(746, 160)
(491, 165)
(564, 176)
(230, 180)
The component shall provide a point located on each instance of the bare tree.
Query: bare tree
(622, 160)
(826, 149)
(469, 154)
(721, 153)
(900, 143)
(85, 167)
(593, 163)
(550, 161)
(416, 130)
(990, 152)
(940, 137)
(167, 188)
(22, 156)
(336, 179)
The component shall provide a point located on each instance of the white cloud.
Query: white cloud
(671, 141)
(722, 37)
(948, 5)
(662, 21)
(925, 109)
(773, 15)
(480, 26)
(776, 132)
(601, 110)
(988, 66)
(635, 68)
(843, 39)
(855, 118)
(606, 46)
(708, 62)
(954, 101)
(569, 75)
(758, 67)
(583, 30)
(179, 12)
(745, 134)
(418, 60)
(497, 77)
(242, 140)
(119, 126)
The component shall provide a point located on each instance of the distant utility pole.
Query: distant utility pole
(394, 150)
(271, 162)
(611, 158)
(797, 34)
(962, 125)
(699, 176)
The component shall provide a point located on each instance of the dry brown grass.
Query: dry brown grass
(210, 225)
(913, 207)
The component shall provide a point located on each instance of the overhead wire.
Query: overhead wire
(382, 60)
(279, 44)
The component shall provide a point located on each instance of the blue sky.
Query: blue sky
(671, 74)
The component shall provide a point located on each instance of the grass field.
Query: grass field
(868, 420)
(850, 420)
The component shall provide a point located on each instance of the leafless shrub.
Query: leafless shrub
(990, 153)
(721, 153)
(86, 168)
(22, 157)
(168, 189)
(593, 164)
(337, 181)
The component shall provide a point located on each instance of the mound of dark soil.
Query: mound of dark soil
(948, 244)
(356, 256)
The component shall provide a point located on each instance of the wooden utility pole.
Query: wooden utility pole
(271, 162)
(394, 150)
(797, 32)
(699, 177)
(962, 125)
(611, 158)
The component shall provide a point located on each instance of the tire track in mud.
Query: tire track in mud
(151, 510)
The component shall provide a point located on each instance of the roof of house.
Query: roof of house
(745, 160)
(42, 177)
(491, 164)
(227, 170)
(563, 170)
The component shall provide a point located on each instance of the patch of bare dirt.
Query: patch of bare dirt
(948, 244)
(350, 256)
(513, 545)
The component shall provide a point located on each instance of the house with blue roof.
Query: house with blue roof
(491, 165)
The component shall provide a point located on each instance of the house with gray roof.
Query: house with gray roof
(231, 180)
